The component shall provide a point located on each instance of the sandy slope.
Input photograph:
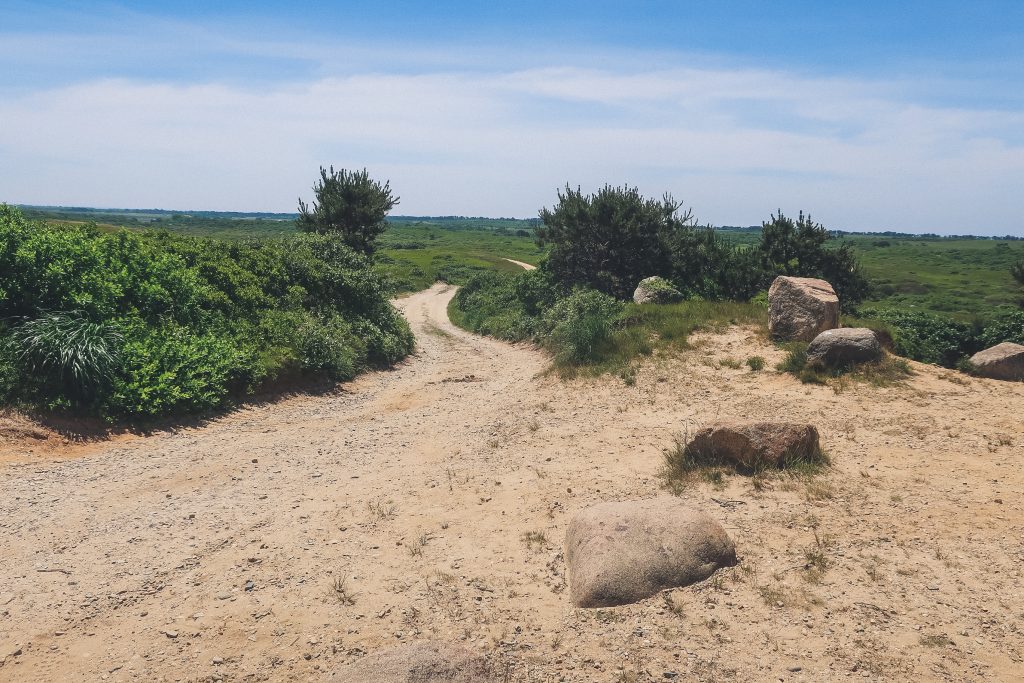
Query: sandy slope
(415, 488)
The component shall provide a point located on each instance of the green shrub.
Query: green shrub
(10, 371)
(506, 306)
(577, 325)
(1006, 326)
(150, 324)
(331, 348)
(171, 370)
(927, 337)
(73, 355)
(756, 363)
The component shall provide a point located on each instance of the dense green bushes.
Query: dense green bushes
(584, 327)
(611, 240)
(147, 324)
(937, 339)
(1005, 326)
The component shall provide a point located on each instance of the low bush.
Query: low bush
(924, 337)
(577, 326)
(1005, 326)
(583, 328)
(756, 363)
(125, 324)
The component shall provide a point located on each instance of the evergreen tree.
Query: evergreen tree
(799, 248)
(611, 240)
(350, 203)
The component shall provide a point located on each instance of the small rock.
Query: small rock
(656, 290)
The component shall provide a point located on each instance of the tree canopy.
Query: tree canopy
(350, 203)
(611, 240)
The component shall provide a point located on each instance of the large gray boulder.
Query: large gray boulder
(801, 308)
(844, 346)
(425, 662)
(755, 445)
(1002, 361)
(620, 553)
(656, 290)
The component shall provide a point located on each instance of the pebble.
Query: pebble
(224, 596)
(171, 634)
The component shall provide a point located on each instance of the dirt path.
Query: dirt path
(524, 266)
(283, 540)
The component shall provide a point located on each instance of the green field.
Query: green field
(957, 277)
(962, 278)
(417, 255)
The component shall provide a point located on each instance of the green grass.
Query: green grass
(960, 278)
(417, 255)
(643, 330)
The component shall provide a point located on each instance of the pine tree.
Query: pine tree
(349, 203)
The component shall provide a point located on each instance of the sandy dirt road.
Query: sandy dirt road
(283, 540)
(521, 264)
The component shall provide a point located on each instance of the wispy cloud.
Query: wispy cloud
(468, 132)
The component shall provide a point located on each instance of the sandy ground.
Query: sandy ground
(283, 540)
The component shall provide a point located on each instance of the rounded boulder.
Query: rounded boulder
(844, 346)
(620, 553)
(1003, 361)
(656, 290)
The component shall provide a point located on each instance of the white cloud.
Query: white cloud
(734, 143)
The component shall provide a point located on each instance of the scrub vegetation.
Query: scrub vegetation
(126, 324)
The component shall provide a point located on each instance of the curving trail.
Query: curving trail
(521, 264)
(230, 551)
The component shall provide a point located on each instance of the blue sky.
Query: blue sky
(906, 116)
